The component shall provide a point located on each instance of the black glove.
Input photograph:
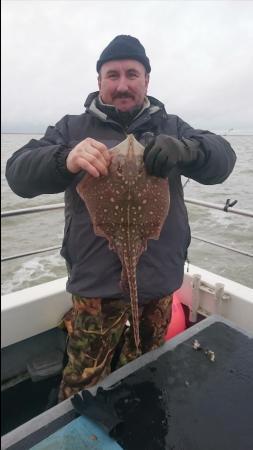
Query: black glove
(98, 408)
(164, 152)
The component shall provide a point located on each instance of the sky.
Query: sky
(200, 54)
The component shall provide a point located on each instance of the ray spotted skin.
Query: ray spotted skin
(127, 207)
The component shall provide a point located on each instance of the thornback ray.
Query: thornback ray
(127, 207)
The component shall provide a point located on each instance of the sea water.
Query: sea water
(25, 233)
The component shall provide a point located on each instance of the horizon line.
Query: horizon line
(226, 132)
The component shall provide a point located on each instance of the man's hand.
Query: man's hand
(91, 156)
(165, 152)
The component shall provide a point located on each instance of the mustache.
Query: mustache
(123, 95)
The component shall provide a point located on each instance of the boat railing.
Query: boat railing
(228, 208)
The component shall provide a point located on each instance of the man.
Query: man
(99, 339)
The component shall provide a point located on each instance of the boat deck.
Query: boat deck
(176, 397)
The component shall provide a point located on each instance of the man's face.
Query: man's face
(123, 84)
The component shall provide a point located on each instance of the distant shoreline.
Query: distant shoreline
(221, 133)
(26, 132)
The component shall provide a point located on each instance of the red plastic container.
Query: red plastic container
(177, 323)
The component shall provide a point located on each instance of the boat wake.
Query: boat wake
(33, 271)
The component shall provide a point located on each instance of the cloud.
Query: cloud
(200, 54)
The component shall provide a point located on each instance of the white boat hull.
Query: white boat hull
(40, 308)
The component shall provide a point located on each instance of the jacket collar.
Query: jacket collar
(151, 106)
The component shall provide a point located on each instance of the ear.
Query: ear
(99, 81)
(146, 80)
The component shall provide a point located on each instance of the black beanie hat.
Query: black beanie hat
(124, 47)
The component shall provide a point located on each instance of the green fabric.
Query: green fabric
(97, 333)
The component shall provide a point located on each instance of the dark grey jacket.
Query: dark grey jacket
(94, 270)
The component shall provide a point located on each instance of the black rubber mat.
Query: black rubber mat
(186, 401)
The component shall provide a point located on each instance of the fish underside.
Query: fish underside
(127, 207)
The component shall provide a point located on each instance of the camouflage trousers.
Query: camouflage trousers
(99, 340)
